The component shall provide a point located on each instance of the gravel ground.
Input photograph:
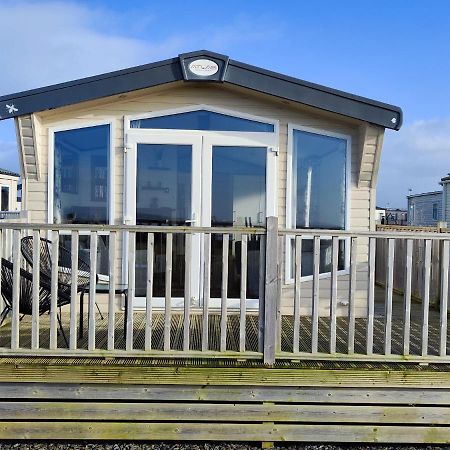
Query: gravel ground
(204, 446)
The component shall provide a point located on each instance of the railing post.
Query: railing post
(271, 291)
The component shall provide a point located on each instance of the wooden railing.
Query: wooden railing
(247, 293)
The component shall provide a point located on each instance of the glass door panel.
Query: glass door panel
(163, 184)
(163, 197)
(163, 172)
(238, 199)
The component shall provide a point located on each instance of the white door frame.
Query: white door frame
(195, 141)
(202, 143)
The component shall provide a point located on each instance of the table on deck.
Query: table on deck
(103, 288)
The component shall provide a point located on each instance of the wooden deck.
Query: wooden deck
(183, 397)
(233, 338)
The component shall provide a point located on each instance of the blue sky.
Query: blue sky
(396, 52)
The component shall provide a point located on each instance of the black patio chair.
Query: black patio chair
(64, 266)
(26, 294)
(64, 262)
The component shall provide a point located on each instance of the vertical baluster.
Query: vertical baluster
(281, 240)
(206, 291)
(35, 292)
(262, 272)
(444, 298)
(112, 290)
(149, 292)
(224, 290)
(92, 290)
(73, 290)
(2, 303)
(388, 297)
(187, 292)
(168, 300)
(333, 293)
(315, 296)
(54, 291)
(426, 296)
(352, 299)
(297, 292)
(15, 290)
(243, 292)
(129, 313)
(371, 296)
(407, 297)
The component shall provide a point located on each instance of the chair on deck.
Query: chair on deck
(26, 294)
(64, 266)
(64, 262)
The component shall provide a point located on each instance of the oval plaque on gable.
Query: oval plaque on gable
(203, 67)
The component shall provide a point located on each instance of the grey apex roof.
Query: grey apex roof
(9, 173)
(176, 69)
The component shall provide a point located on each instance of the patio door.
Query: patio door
(163, 190)
(199, 179)
(239, 190)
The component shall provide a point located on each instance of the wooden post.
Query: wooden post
(271, 290)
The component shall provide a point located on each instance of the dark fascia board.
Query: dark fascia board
(170, 70)
(9, 173)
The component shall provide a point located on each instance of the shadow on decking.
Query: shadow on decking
(177, 330)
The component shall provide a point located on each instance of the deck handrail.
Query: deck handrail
(220, 230)
(131, 228)
(365, 234)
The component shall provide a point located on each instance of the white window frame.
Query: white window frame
(75, 125)
(200, 107)
(288, 279)
(9, 196)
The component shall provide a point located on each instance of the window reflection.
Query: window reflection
(239, 200)
(319, 194)
(325, 256)
(202, 120)
(163, 185)
(4, 198)
(319, 181)
(81, 160)
(238, 186)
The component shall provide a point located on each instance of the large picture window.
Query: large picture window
(318, 192)
(81, 175)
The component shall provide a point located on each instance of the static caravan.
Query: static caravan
(205, 141)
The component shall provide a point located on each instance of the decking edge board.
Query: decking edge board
(69, 411)
(157, 375)
(223, 432)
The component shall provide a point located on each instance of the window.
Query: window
(435, 211)
(203, 120)
(4, 198)
(319, 182)
(318, 192)
(411, 213)
(81, 175)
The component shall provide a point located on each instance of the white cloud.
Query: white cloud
(48, 42)
(416, 157)
(52, 42)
